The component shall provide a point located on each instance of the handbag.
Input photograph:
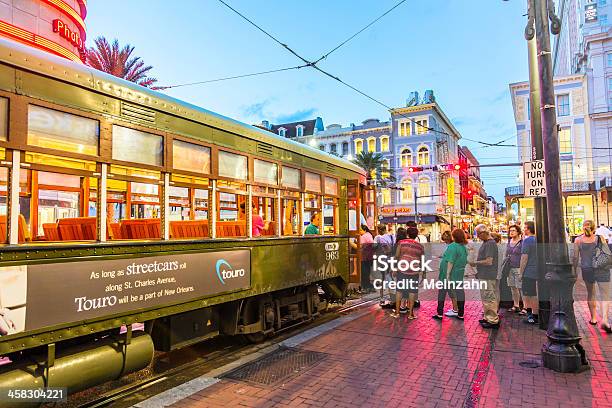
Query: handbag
(602, 256)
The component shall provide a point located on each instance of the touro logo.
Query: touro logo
(225, 271)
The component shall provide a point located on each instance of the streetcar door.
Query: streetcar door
(354, 211)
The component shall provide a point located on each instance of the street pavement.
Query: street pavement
(375, 360)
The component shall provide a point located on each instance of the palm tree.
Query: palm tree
(119, 62)
(376, 168)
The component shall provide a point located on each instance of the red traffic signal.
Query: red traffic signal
(457, 166)
(414, 169)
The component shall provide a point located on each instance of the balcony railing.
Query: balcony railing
(573, 187)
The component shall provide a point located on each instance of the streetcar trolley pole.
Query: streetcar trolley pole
(563, 351)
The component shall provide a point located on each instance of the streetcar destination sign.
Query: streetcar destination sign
(534, 176)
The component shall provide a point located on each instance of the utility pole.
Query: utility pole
(537, 153)
(563, 352)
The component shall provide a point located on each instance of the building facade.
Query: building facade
(577, 150)
(582, 64)
(55, 26)
(414, 142)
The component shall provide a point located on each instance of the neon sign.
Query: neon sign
(73, 37)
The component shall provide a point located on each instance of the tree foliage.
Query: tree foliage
(119, 62)
(376, 168)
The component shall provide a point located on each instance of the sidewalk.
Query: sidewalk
(371, 359)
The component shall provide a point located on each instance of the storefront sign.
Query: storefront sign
(396, 210)
(450, 191)
(590, 13)
(38, 296)
(534, 177)
(62, 29)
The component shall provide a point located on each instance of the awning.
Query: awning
(422, 219)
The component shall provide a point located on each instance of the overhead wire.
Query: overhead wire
(232, 77)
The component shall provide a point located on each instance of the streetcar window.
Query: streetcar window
(265, 172)
(3, 204)
(291, 178)
(62, 131)
(291, 216)
(135, 146)
(190, 157)
(330, 208)
(313, 182)
(231, 210)
(133, 203)
(265, 207)
(331, 186)
(179, 202)
(312, 206)
(3, 118)
(232, 165)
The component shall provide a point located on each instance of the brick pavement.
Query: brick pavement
(378, 361)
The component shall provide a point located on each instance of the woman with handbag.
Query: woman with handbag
(593, 254)
(512, 262)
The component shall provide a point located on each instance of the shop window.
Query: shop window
(57, 130)
(131, 145)
(231, 210)
(312, 182)
(291, 178)
(4, 105)
(291, 213)
(190, 157)
(330, 216)
(265, 172)
(232, 165)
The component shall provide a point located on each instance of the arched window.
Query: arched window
(371, 144)
(299, 129)
(423, 156)
(358, 146)
(407, 195)
(424, 187)
(345, 148)
(282, 132)
(333, 148)
(384, 143)
(406, 158)
(322, 147)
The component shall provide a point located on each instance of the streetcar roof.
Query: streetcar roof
(23, 56)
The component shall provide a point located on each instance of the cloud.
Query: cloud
(501, 97)
(256, 109)
(295, 116)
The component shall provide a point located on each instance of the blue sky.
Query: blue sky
(467, 51)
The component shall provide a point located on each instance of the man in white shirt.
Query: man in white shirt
(604, 232)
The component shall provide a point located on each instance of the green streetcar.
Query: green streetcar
(135, 222)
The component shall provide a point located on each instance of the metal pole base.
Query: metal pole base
(563, 352)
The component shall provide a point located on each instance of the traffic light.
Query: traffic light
(415, 169)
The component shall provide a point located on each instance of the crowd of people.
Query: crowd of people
(513, 263)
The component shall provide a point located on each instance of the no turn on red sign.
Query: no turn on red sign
(534, 177)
